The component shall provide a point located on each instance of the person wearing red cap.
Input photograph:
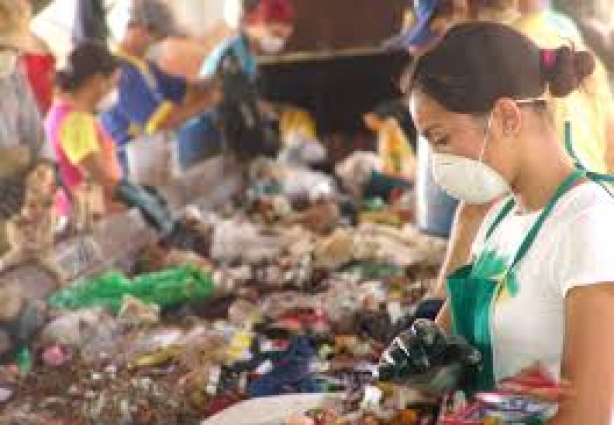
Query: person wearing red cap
(264, 26)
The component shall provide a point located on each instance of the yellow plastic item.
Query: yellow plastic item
(240, 344)
(381, 217)
(394, 149)
(157, 358)
(293, 121)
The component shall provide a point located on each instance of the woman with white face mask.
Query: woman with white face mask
(539, 288)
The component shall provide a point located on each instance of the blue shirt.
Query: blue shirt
(237, 45)
(146, 95)
(200, 137)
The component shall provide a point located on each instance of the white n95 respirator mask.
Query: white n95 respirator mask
(469, 180)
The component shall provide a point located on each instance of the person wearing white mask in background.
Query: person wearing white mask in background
(22, 135)
(150, 103)
(264, 27)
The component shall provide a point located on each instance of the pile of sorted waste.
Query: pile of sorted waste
(287, 291)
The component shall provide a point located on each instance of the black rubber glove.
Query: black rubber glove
(149, 202)
(427, 359)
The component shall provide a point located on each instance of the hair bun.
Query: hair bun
(566, 69)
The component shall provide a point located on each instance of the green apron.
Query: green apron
(472, 298)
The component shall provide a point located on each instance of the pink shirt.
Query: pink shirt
(74, 135)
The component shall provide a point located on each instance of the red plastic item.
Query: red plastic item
(220, 403)
(468, 416)
(536, 381)
(40, 69)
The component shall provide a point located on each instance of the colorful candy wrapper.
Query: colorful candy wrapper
(530, 398)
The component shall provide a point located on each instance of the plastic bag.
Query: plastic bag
(234, 240)
(301, 150)
(273, 410)
(356, 170)
(166, 288)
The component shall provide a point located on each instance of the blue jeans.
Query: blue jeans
(198, 139)
(435, 210)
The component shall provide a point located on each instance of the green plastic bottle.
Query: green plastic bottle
(24, 361)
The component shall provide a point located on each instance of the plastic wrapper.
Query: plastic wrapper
(76, 329)
(235, 241)
(243, 314)
(135, 312)
(530, 398)
(300, 184)
(151, 341)
(295, 182)
(356, 170)
(276, 305)
(321, 218)
(301, 150)
(335, 251)
(166, 288)
(299, 136)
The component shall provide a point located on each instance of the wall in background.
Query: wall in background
(340, 24)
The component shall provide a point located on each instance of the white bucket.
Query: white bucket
(152, 159)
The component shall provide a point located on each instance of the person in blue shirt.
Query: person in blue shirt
(264, 28)
(150, 103)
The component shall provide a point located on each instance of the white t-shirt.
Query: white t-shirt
(575, 247)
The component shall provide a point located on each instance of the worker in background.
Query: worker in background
(86, 154)
(590, 110)
(393, 146)
(151, 104)
(39, 68)
(21, 145)
(398, 161)
(204, 28)
(21, 128)
(596, 21)
(264, 27)
(90, 22)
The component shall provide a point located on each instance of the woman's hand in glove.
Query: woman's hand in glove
(426, 358)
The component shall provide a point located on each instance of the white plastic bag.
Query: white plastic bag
(302, 151)
(152, 159)
(300, 183)
(242, 241)
(273, 410)
(54, 24)
(355, 171)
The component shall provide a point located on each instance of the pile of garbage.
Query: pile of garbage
(286, 291)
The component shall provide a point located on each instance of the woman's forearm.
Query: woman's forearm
(444, 319)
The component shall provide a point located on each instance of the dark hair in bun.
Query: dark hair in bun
(567, 69)
(86, 60)
(475, 64)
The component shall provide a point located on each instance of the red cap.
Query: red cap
(273, 11)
